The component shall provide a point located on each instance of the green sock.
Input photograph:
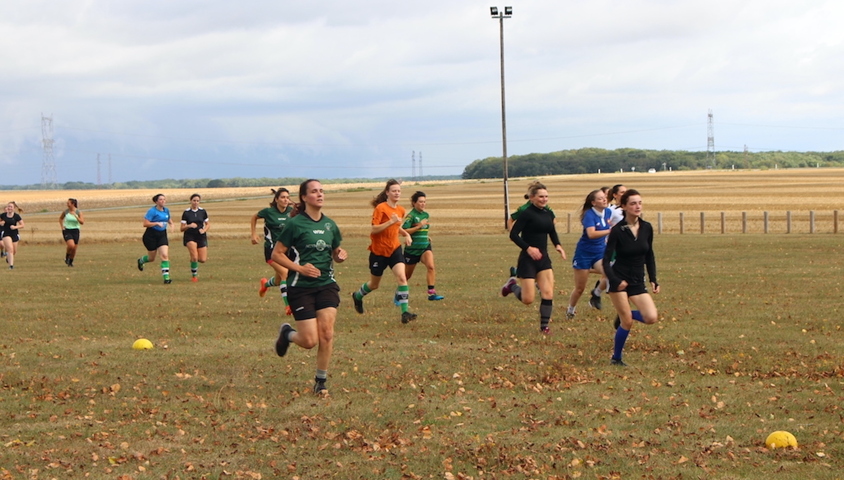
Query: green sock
(194, 266)
(145, 259)
(363, 291)
(283, 289)
(270, 282)
(165, 269)
(404, 293)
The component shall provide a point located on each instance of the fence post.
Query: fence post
(811, 221)
(835, 221)
(659, 222)
(702, 223)
(723, 223)
(765, 221)
(788, 221)
(568, 223)
(743, 222)
(682, 224)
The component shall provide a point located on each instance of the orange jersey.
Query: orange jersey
(387, 241)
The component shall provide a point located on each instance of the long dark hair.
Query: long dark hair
(629, 193)
(276, 194)
(588, 203)
(303, 192)
(382, 197)
(613, 192)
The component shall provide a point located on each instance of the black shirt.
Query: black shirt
(632, 254)
(533, 227)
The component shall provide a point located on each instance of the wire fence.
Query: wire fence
(739, 222)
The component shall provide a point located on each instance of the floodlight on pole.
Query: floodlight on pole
(507, 13)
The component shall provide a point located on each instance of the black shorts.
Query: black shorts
(71, 234)
(413, 259)
(632, 289)
(528, 267)
(306, 302)
(377, 263)
(154, 238)
(200, 239)
(268, 254)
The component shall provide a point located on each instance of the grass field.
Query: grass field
(749, 341)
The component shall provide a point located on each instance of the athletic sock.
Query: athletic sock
(620, 337)
(431, 290)
(322, 374)
(363, 291)
(194, 268)
(597, 291)
(283, 289)
(403, 292)
(165, 269)
(270, 282)
(637, 315)
(545, 309)
(517, 291)
(145, 259)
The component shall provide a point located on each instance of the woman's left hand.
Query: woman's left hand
(534, 253)
(340, 255)
(655, 287)
(562, 252)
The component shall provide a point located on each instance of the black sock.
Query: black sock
(545, 309)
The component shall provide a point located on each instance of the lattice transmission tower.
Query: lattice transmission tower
(48, 166)
(710, 140)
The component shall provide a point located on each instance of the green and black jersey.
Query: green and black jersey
(311, 241)
(420, 237)
(274, 221)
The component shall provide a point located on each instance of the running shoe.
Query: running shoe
(167, 281)
(358, 303)
(288, 310)
(617, 362)
(595, 301)
(570, 312)
(545, 330)
(263, 289)
(513, 272)
(194, 279)
(319, 386)
(434, 297)
(282, 342)
(507, 289)
(141, 264)
(396, 299)
(407, 317)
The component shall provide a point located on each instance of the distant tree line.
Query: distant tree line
(592, 160)
(206, 183)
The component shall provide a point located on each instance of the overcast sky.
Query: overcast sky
(332, 88)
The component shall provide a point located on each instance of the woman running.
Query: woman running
(274, 218)
(194, 225)
(71, 220)
(614, 200)
(416, 224)
(10, 223)
(308, 247)
(156, 222)
(530, 232)
(385, 249)
(629, 252)
(589, 253)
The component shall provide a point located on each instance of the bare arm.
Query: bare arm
(253, 229)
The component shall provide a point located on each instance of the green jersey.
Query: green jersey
(274, 221)
(311, 241)
(420, 237)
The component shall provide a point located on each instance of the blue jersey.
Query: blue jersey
(155, 215)
(591, 218)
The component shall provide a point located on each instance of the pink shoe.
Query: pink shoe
(507, 289)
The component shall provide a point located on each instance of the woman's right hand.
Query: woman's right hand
(622, 285)
(254, 239)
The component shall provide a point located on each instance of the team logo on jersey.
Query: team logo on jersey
(320, 245)
(328, 226)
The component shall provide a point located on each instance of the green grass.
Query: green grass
(749, 342)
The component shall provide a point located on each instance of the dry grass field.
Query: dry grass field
(472, 207)
(749, 340)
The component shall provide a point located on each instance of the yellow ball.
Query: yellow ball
(142, 344)
(780, 439)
